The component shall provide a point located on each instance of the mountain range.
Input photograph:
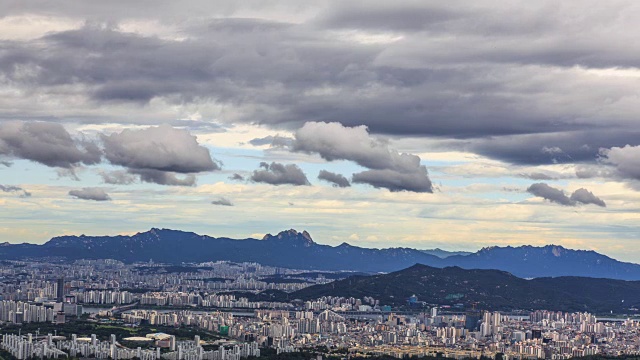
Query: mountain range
(444, 253)
(487, 289)
(293, 249)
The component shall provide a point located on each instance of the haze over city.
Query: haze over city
(418, 124)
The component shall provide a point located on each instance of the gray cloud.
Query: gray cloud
(119, 177)
(10, 188)
(46, 143)
(550, 193)
(585, 196)
(396, 181)
(274, 141)
(582, 196)
(161, 148)
(222, 202)
(164, 177)
(14, 189)
(333, 141)
(537, 176)
(502, 82)
(279, 174)
(90, 193)
(626, 160)
(156, 154)
(337, 180)
(596, 171)
(390, 169)
(70, 173)
(380, 16)
(578, 146)
(236, 177)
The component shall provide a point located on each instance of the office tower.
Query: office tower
(472, 318)
(60, 290)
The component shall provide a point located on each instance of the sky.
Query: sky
(421, 124)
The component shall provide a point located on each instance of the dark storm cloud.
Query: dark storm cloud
(89, 193)
(390, 169)
(510, 81)
(46, 143)
(156, 155)
(279, 174)
(15, 189)
(580, 196)
(552, 148)
(337, 180)
(222, 202)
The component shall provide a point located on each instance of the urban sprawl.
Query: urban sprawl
(212, 297)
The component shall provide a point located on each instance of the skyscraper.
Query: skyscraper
(472, 318)
(60, 290)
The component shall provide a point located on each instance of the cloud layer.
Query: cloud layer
(419, 69)
(471, 96)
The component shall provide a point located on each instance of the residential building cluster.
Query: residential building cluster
(216, 295)
(29, 346)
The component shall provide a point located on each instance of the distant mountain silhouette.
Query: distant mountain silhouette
(289, 249)
(293, 249)
(444, 253)
(547, 261)
(488, 289)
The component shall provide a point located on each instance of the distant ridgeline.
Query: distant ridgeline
(297, 250)
(487, 289)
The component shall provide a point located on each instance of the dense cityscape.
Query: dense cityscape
(469, 170)
(214, 298)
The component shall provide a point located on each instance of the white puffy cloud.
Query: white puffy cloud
(390, 169)
(161, 148)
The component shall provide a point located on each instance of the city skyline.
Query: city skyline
(420, 124)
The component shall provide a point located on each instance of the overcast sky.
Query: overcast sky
(449, 124)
